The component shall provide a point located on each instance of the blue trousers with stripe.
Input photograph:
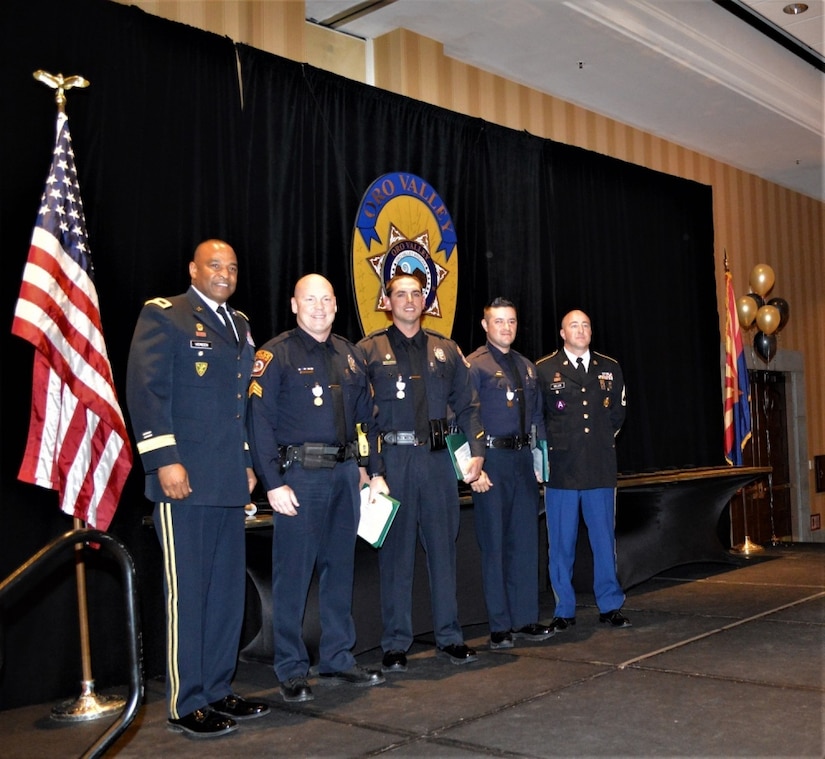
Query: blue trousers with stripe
(204, 583)
(598, 508)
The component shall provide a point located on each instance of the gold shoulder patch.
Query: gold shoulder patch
(262, 359)
(162, 302)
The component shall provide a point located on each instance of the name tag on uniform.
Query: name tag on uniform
(201, 345)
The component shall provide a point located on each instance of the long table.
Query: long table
(669, 518)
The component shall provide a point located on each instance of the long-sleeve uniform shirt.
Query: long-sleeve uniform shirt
(292, 403)
(507, 515)
(423, 480)
(291, 397)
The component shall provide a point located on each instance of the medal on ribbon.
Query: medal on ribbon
(318, 392)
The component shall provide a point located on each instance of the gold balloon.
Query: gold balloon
(746, 308)
(762, 279)
(767, 319)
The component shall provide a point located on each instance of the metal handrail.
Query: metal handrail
(44, 557)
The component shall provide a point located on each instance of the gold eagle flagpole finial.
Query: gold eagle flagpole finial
(61, 84)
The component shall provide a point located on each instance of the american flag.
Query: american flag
(737, 386)
(77, 444)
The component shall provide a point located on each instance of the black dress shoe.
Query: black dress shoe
(296, 689)
(203, 723)
(360, 677)
(615, 619)
(533, 632)
(457, 653)
(501, 639)
(394, 661)
(557, 624)
(240, 708)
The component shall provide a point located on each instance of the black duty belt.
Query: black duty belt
(317, 455)
(399, 437)
(511, 442)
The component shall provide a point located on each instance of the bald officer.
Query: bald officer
(584, 408)
(309, 393)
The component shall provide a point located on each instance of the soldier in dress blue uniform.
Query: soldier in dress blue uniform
(415, 375)
(309, 392)
(506, 494)
(584, 409)
(186, 383)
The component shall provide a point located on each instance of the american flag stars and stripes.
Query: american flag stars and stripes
(737, 385)
(77, 443)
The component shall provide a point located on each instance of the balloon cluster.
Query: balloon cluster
(770, 316)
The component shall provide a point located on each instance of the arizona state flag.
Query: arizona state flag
(737, 386)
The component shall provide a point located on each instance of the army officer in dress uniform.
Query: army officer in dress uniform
(584, 408)
(188, 371)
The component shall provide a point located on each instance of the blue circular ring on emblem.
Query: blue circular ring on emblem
(408, 256)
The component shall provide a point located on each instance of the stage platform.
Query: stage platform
(723, 660)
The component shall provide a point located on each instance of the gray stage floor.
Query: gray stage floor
(721, 661)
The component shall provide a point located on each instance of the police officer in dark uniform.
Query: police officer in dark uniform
(584, 409)
(506, 494)
(186, 383)
(415, 375)
(309, 391)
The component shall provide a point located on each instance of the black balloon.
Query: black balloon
(781, 305)
(760, 301)
(764, 345)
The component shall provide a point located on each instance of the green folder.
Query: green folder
(460, 452)
(376, 517)
(541, 462)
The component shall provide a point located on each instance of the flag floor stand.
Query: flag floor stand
(88, 705)
(748, 548)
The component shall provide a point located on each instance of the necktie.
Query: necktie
(230, 330)
(334, 379)
(580, 368)
(418, 367)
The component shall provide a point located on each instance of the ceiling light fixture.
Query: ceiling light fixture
(794, 9)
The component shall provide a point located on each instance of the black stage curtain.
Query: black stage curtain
(155, 138)
(171, 149)
(549, 226)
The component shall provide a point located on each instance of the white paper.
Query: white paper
(374, 515)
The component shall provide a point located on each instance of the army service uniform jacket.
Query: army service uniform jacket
(186, 390)
(582, 419)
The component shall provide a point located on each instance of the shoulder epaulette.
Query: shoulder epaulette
(434, 333)
(342, 338)
(241, 313)
(162, 302)
(280, 338)
(602, 355)
(377, 332)
(548, 357)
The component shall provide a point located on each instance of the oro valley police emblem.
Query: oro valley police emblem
(404, 226)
